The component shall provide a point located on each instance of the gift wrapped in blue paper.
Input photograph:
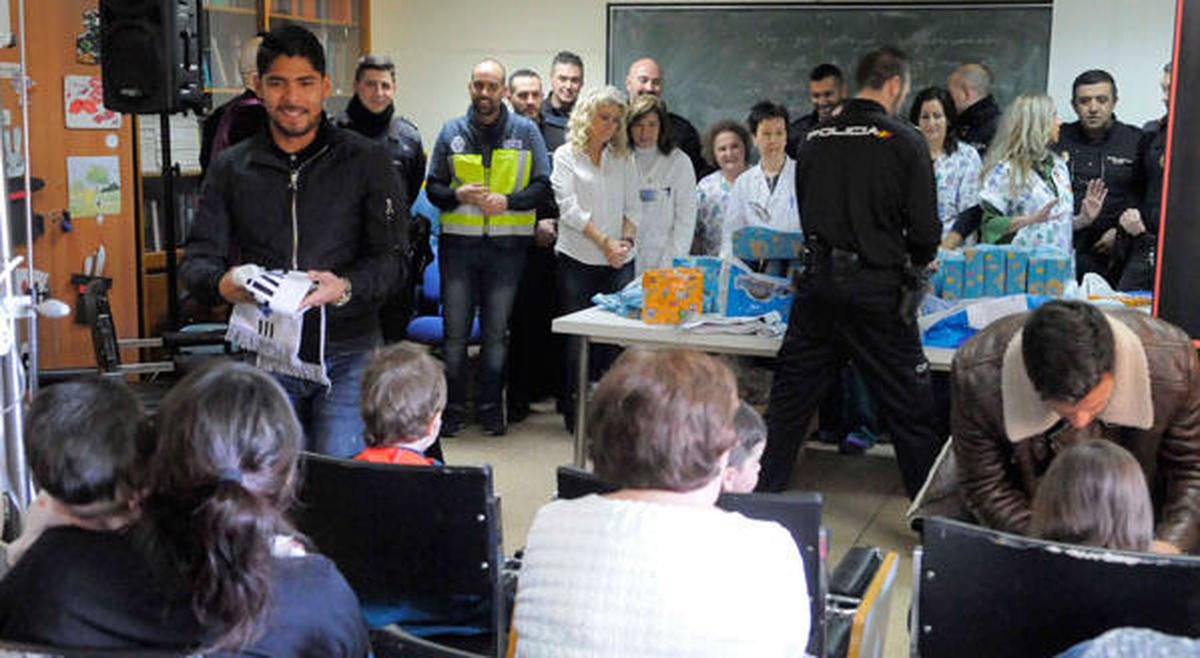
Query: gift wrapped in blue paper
(1059, 271)
(972, 273)
(951, 265)
(761, 243)
(1016, 265)
(993, 270)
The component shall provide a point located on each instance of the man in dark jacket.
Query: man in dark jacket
(1029, 386)
(1098, 147)
(566, 79)
(304, 196)
(978, 113)
(864, 182)
(371, 114)
(826, 90)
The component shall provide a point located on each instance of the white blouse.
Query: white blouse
(667, 193)
(604, 195)
(604, 577)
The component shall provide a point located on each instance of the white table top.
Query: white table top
(602, 326)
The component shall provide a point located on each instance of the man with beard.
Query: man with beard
(488, 175)
(826, 90)
(303, 196)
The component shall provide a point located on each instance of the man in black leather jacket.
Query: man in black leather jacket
(304, 196)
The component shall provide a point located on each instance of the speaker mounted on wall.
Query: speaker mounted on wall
(152, 55)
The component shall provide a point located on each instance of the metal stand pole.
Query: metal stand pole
(169, 218)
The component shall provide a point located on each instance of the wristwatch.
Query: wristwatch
(347, 290)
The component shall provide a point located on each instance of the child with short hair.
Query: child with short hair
(1095, 494)
(87, 449)
(402, 398)
(741, 474)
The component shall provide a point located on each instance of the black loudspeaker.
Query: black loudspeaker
(151, 55)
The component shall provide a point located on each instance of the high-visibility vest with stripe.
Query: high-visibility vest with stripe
(509, 173)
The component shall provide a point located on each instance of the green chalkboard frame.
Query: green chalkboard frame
(720, 59)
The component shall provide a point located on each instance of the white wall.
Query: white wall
(436, 42)
(1131, 39)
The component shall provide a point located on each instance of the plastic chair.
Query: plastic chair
(982, 592)
(428, 327)
(405, 534)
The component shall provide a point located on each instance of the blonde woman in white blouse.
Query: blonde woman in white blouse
(596, 186)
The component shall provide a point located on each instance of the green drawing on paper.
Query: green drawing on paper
(94, 185)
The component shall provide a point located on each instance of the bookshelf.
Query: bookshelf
(341, 26)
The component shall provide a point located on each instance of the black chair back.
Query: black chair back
(397, 532)
(798, 512)
(981, 592)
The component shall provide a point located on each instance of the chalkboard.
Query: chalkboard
(718, 60)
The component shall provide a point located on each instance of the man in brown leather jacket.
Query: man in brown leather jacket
(1029, 385)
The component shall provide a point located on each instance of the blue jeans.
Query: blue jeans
(577, 283)
(483, 273)
(330, 417)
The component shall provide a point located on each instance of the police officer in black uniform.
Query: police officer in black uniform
(865, 184)
(371, 113)
(1097, 146)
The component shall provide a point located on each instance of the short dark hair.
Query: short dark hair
(290, 40)
(1067, 346)
(374, 63)
(566, 57)
(941, 95)
(879, 66)
(826, 70)
(649, 104)
(662, 419)
(86, 441)
(402, 389)
(750, 429)
(1093, 77)
(723, 126)
(764, 110)
(523, 73)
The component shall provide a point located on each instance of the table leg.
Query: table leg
(581, 393)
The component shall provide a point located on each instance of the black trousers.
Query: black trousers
(855, 319)
(535, 354)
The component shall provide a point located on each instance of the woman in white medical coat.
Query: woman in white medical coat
(765, 195)
(666, 187)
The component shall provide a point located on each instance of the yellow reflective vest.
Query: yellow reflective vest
(509, 173)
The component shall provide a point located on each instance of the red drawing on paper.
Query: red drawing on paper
(83, 98)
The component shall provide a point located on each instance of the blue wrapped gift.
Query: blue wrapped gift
(951, 265)
(994, 270)
(972, 273)
(1016, 265)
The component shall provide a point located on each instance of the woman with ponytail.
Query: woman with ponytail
(213, 565)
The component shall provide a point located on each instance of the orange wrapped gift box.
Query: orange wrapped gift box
(669, 294)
